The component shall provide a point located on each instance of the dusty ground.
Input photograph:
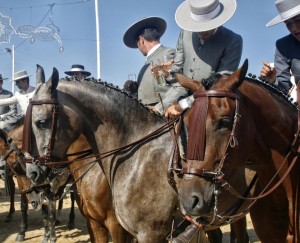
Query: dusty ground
(34, 234)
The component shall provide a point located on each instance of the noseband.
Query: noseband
(196, 143)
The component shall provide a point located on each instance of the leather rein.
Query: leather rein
(48, 160)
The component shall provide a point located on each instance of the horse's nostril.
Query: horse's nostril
(34, 204)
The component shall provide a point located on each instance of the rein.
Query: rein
(47, 158)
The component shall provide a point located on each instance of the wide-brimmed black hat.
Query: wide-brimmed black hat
(2, 78)
(77, 68)
(132, 33)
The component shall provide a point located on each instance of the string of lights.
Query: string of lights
(50, 32)
(45, 5)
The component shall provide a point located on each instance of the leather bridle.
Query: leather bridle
(27, 146)
(196, 153)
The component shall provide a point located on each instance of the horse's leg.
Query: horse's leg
(71, 224)
(24, 224)
(215, 235)
(59, 212)
(98, 233)
(117, 232)
(293, 193)
(51, 220)
(46, 223)
(238, 231)
(11, 191)
(270, 219)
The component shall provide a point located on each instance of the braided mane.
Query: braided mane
(110, 86)
(272, 88)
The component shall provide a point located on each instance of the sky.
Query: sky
(37, 29)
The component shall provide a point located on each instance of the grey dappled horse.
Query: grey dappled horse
(144, 202)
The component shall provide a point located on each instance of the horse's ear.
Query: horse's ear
(237, 77)
(188, 83)
(53, 81)
(40, 75)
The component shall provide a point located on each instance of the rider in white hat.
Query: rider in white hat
(25, 92)
(6, 112)
(287, 54)
(204, 46)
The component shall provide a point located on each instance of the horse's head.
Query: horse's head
(213, 127)
(52, 125)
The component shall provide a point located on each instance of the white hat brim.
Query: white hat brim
(22, 77)
(185, 21)
(278, 19)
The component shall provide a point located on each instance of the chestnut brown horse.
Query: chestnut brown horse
(143, 200)
(240, 123)
(12, 154)
(96, 206)
(7, 176)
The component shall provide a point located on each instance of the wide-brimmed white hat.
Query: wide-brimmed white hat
(204, 15)
(287, 9)
(20, 75)
(132, 33)
(77, 68)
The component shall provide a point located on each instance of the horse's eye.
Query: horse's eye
(41, 124)
(224, 123)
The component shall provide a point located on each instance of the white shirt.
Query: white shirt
(153, 49)
(21, 97)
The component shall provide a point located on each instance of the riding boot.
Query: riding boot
(186, 235)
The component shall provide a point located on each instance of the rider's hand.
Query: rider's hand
(153, 108)
(268, 72)
(174, 111)
(163, 68)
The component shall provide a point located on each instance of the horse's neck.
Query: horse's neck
(110, 117)
(273, 120)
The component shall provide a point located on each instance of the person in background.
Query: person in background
(6, 111)
(77, 71)
(156, 92)
(131, 87)
(287, 53)
(204, 46)
(24, 94)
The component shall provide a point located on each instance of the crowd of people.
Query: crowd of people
(204, 47)
(14, 106)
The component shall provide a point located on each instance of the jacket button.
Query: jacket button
(191, 70)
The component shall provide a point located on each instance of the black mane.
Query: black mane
(117, 89)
